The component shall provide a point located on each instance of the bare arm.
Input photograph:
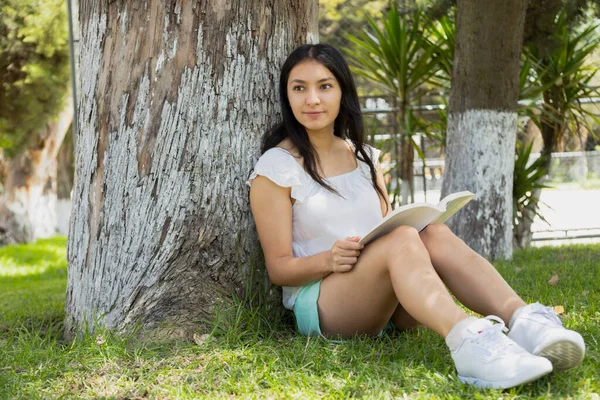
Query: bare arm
(381, 182)
(272, 210)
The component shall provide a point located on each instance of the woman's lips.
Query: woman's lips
(314, 113)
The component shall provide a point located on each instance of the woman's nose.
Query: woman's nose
(312, 98)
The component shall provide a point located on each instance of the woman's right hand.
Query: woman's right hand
(344, 254)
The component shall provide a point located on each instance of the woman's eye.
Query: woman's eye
(297, 88)
(326, 86)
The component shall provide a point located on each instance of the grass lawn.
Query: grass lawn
(259, 357)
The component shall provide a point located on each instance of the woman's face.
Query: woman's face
(314, 95)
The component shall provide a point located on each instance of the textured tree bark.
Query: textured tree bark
(482, 120)
(28, 203)
(407, 174)
(175, 96)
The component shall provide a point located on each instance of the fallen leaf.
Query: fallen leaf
(559, 310)
(100, 340)
(554, 280)
(517, 270)
(585, 292)
(201, 339)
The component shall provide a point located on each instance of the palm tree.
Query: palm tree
(399, 56)
(553, 83)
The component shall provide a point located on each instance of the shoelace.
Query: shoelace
(493, 337)
(548, 312)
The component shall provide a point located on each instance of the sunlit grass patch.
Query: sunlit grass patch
(32, 283)
(259, 355)
(33, 259)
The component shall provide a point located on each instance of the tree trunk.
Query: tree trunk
(175, 96)
(64, 182)
(552, 132)
(522, 232)
(407, 159)
(3, 168)
(407, 173)
(28, 203)
(482, 121)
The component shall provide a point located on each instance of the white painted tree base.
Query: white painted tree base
(478, 162)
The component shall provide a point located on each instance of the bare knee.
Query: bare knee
(401, 244)
(436, 234)
(442, 244)
(405, 240)
(404, 232)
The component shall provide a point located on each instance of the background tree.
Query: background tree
(401, 59)
(482, 120)
(175, 97)
(34, 114)
(558, 72)
(539, 33)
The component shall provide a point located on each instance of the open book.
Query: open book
(419, 215)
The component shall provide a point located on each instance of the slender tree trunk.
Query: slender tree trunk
(28, 203)
(552, 132)
(397, 141)
(482, 121)
(3, 170)
(407, 159)
(175, 96)
(64, 182)
(523, 234)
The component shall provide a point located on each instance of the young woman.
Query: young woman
(317, 189)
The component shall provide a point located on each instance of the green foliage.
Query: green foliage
(561, 79)
(540, 20)
(528, 176)
(34, 65)
(253, 360)
(443, 37)
(337, 16)
(399, 55)
(340, 18)
(402, 54)
(555, 77)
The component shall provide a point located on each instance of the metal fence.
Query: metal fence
(574, 167)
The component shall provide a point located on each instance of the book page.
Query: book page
(453, 196)
(453, 203)
(417, 216)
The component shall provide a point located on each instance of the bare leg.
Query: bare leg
(393, 269)
(470, 277)
(403, 320)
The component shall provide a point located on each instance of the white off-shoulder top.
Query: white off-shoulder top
(320, 217)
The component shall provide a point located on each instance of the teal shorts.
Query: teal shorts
(306, 311)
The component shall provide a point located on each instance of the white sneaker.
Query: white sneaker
(487, 358)
(539, 330)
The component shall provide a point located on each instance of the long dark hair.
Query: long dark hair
(348, 124)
